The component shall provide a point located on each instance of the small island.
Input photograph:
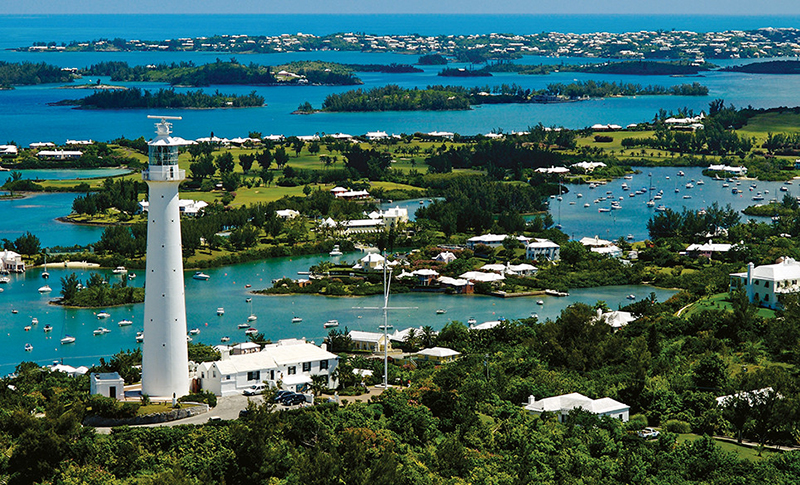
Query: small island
(97, 292)
(768, 67)
(163, 98)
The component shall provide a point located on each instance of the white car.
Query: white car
(648, 433)
(255, 389)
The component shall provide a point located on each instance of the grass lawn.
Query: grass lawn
(158, 407)
(720, 302)
(760, 125)
(743, 452)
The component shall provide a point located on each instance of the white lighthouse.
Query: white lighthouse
(165, 361)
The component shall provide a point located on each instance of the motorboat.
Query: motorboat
(200, 276)
(48, 328)
(132, 276)
(631, 297)
(585, 205)
(680, 173)
(603, 209)
(687, 196)
(700, 182)
(630, 236)
(331, 323)
(758, 196)
(68, 339)
(124, 323)
(194, 331)
(225, 339)
(119, 270)
(296, 319)
(783, 188)
(14, 312)
(385, 327)
(243, 325)
(651, 203)
(251, 331)
(335, 251)
(5, 279)
(248, 285)
(248, 300)
(140, 336)
(220, 311)
(28, 347)
(472, 321)
(27, 328)
(441, 311)
(540, 302)
(45, 289)
(34, 321)
(101, 331)
(102, 315)
(661, 208)
(689, 185)
(252, 318)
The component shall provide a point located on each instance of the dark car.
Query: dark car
(244, 413)
(281, 394)
(293, 399)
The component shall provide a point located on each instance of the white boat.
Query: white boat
(335, 251)
(194, 331)
(102, 315)
(243, 325)
(540, 302)
(630, 236)
(689, 186)
(45, 274)
(783, 188)
(472, 321)
(119, 270)
(124, 323)
(385, 327)
(101, 331)
(28, 347)
(331, 323)
(220, 311)
(296, 319)
(680, 173)
(68, 339)
(200, 276)
(5, 279)
(586, 205)
(579, 195)
(34, 321)
(651, 203)
(441, 311)
(700, 182)
(27, 328)
(661, 208)
(687, 196)
(132, 276)
(251, 331)
(758, 196)
(45, 289)
(252, 318)
(225, 339)
(603, 209)
(48, 328)
(140, 336)
(248, 300)
(631, 297)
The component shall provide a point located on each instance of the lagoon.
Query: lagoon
(226, 288)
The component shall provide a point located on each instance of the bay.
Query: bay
(226, 288)
(37, 213)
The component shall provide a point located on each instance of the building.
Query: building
(457, 285)
(371, 341)
(437, 355)
(615, 319)
(491, 240)
(708, 249)
(445, 257)
(542, 250)
(376, 135)
(589, 167)
(371, 262)
(287, 213)
(8, 151)
(564, 404)
(728, 169)
(765, 284)
(108, 384)
(59, 154)
(165, 360)
(11, 262)
(343, 193)
(291, 363)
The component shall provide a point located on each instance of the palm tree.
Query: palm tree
(411, 339)
(319, 383)
(428, 335)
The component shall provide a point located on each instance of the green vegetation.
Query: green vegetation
(97, 292)
(640, 68)
(432, 60)
(395, 98)
(767, 67)
(27, 73)
(163, 98)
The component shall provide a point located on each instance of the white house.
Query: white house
(108, 384)
(439, 355)
(291, 362)
(764, 284)
(11, 262)
(728, 169)
(8, 151)
(445, 257)
(562, 405)
(491, 240)
(287, 213)
(543, 250)
(372, 341)
(59, 154)
(376, 135)
(708, 249)
(589, 166)
(611, 250)
(68, 369)
(481, 276)
(372, 261)
(553, 170)
(615, 319)
(187, 207)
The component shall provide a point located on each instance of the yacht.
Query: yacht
(48, 328)
(630, 236)
(252, 318)
(243, 325)
(101, 331)
(119, 270)
(689, 185)
(45, 289)
(124, 323)
(603, 209)
(34, 321)
(45, 274)
(225, 339)
(28, 347)
(296, 319)
(631, 297)
(248, 300)
(102, 315)
(140, 336)
(783, 188)
(441, 311)
(5, 279)
(251, 331)
(331, 323)
(201, 276)
(194, 331)
(661, 208)
(385, 327)
(472, 321)
(700, 182)
(651, 203)
(585, 205)
(540, 302)
(68, 339)
(680, 173)
(758, 196)
(132, 276)
(220, 311)
(335, 251)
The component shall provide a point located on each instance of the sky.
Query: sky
(719, 7)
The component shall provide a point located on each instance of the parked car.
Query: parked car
(244, 413)
(293, 399)
(255, 390)
(281, 394)
(648, 433)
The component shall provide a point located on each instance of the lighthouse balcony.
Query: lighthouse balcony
(163, 173)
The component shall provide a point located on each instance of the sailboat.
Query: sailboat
(45, 274)
(651, 202)
(252, 316)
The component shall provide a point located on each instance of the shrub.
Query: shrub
(676, 426)
(637, 422)
(107, 407)
(603, 139)
(204, 396)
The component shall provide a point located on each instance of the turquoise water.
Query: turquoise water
(37, 213)
(71, 174)
(226, 288)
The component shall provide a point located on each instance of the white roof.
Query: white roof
(485, 325)
(553, 170)
(425, 272)
(9, 255)
(360, 336)
(446, 280)
(616, 319)
(568, 402)
(400, 335)
(709, 247)
(788, 269)
(479, 276)
(245, 363)
(488, 238)
(291, 351)
(294, 379)
(494, 267)
(542, 243)
(445, 256)
(170, 141)
(246, 346)
(372, 257)
(8, 149)
(518, 268)
(439, 352)
(589, 165)
(594, 241)
(273, 137)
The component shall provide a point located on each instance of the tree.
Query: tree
(281, 157)
(573, 252)
(27, 244)
(69, 286)
(266, 176)
(230, 181)
(203, 167)
(264, 159)
(313, 147)
(246, 162)
(225, 162)
(339, 341)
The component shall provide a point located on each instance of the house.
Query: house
(372, 261)
(615, 319)
(343, 193)
(727, 168)
(445, 257)
(8, 151)
(287, 213)
(393, 216)
(457, 285)
(707, 249)
(11, 262)
(491, 240)
(401, 335)
(425, 276)
(437, 355)
(485, 325)
(371, 341)
(59, 154)
(441, 134)
(108, 384)
(589, 167)
(522, 269)
(553, 170)
(68, 369)
(542, 250)
(482, 277)
(376, 135)
(562, 405)
(765, 284)
(273, 138)
(290, 362)
(611, 251)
